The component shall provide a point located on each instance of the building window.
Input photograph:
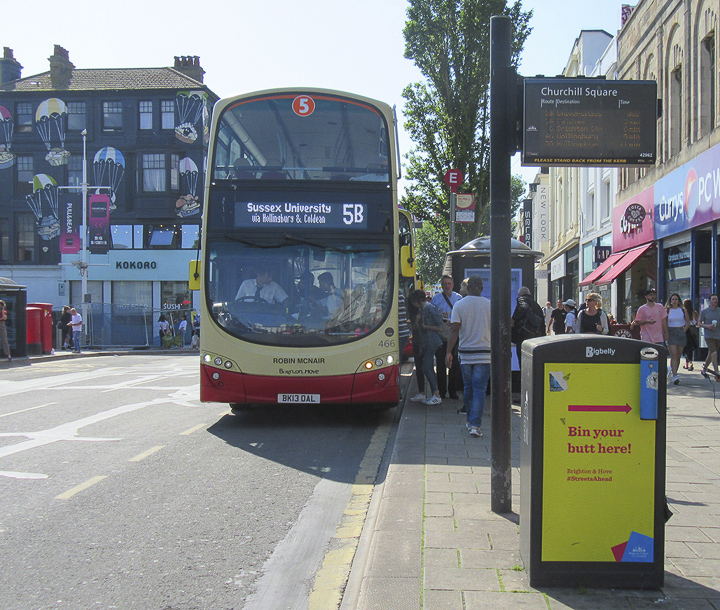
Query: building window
(112, 116)
(23, 117)
(590, 217)
(25, 173)
(94, 292)
(190, 236)
(25, 230)
(4, 240)
(121, 236)
(707, 85)
(162, 237)
(676, 93)
(77, 116)
(146, 112)
(75, 174)
(132, 293)
(153, 173)
(607, 203)
(174, 172)
(167, 114)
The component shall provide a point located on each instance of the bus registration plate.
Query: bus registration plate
(299, 398)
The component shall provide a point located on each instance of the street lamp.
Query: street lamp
(84, 264)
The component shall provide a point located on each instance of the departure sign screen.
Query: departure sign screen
(589, 122)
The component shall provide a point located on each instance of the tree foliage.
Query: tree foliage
(448, 115)
(429, 254)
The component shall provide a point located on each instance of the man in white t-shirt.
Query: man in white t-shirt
(76, 324)
(470, 329)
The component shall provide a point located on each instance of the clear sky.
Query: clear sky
(248, 45)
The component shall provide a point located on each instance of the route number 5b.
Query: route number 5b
(352, 213)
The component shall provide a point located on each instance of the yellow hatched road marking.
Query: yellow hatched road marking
(145, 454)
(193, 429)
(71, 492)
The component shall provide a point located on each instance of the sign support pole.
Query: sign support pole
(501, 89)
(453, 208)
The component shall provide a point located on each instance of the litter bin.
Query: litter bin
(46, 326)
(592, 505)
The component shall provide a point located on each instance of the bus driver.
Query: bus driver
(264, 288)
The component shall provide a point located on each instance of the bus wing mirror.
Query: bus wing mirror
(195, 275)
(407, 262)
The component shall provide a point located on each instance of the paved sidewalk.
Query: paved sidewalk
(435, 543)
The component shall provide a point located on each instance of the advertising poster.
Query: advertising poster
(598, 465)
(99, 224)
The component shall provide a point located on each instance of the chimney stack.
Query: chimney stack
(189, 65)
(10, 69)
(60, 68)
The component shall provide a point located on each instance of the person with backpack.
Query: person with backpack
(527, 321)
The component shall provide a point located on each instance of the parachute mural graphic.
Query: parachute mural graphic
(190, 106)
(7, 159)
(50, 120)
(189, 204)
(109, 169)
(44, 197)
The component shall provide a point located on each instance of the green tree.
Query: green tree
(429, 253)
(448, 115)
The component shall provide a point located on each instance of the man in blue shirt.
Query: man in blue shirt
(444, 301)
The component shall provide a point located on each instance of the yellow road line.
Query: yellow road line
(145, 454)
(193, 429)
(332, 576)
(71, 492)
(28, 409)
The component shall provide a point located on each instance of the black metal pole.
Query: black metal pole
(501, 88)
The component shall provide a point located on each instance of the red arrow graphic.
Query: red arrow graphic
(601, 408)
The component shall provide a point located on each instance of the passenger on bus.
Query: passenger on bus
(331, 299)
(305, 298)
(263, 288)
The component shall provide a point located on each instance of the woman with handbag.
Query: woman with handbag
(430, 325)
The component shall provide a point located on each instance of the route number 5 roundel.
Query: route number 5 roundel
(303, 105)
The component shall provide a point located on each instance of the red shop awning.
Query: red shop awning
(604, 266)
(624, 263)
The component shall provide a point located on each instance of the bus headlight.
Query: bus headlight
(381, 376)
(216, 376)
(390, 359)
(207, 358)
(378, 362)
(218, 360)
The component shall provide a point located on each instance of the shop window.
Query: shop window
(94, 289)
(77, 116)
(112, 116)
(145, 109)
(132, 293)
(175, 296)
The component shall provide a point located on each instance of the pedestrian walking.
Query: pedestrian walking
(709, 318)
(447, 381)
(403, 324)
(557, 319)
(3, 331)
(527, 321)
(678, 323)
(415, 315)
(547, 312)
(470, 332)
(76, 323)
(65, 318)
(430, 324)
(570, 315)
(652, 319)
(692, 335)
(592, 320)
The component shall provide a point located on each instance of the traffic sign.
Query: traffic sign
(453, 178)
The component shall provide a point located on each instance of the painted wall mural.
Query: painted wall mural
(109, 169)
(51, 122)
(188, 204)
(7, 159)
(44, 199)
(190, 105)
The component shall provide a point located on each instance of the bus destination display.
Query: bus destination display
(304, 215)
(589, 122)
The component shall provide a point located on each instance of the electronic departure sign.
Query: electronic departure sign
(589, 122)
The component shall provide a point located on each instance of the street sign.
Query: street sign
(453, 178)
(589, 122)
(465, 211)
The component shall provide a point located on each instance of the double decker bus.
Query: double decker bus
(300, 248)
